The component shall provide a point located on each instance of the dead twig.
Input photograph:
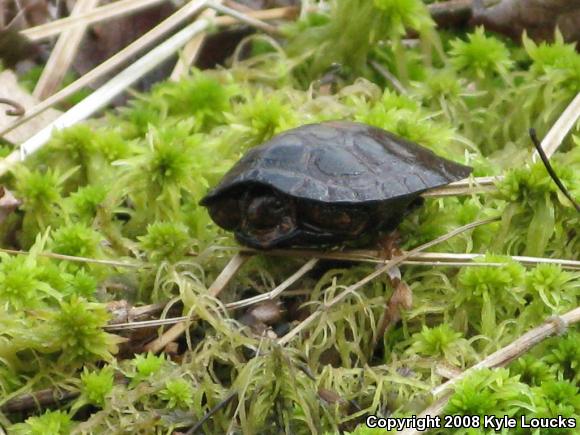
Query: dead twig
(218, 285)
(427, 258)
(109, 11)
(191, 51)
(307, 267)
(380, 271)
(63, 53)
(75, 259)
(38, 400)
(501, 358)
(244, 18)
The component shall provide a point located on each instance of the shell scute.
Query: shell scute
(341, 162)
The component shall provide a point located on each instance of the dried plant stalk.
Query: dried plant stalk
(113, 62)
(113, 263)
(380, 271)
(465, 187)
(228, 273)
(501, 358)
(113, 10)
(191, 51)
(63, 53)
(218, 285)
(244, 18)
(101, 97)
(132, 49)
(435, 258)
(307, 267)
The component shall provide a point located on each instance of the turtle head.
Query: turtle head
(260, 216)
(268, 218)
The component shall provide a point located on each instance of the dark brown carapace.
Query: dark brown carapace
(325, 183)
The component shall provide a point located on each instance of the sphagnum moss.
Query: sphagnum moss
(132, 186)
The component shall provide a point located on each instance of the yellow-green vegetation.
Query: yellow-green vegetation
(126, 187)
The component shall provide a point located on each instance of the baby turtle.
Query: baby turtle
(325, 183)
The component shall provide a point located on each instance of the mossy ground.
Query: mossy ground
(126, 187)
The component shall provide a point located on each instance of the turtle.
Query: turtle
(324, 184)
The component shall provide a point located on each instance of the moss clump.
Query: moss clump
(126, 189)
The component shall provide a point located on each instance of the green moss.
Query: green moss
(97, 385)
(127, 188)
(49, 423)
(77, 331)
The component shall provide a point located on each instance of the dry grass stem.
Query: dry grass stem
(173, 333)
(502, 357)
(75, 259)
(117, 10)
(63, 53)
(307, 267)
(109, 11)
(434, 258)
(112, 63)
(244, 18)
(191, 51)
(102, 96)
(228, 273)
(132, 49)
(560, 129)
(468, 186)
(393, 262)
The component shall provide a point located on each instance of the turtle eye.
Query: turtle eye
(226, 213)
(276, 206)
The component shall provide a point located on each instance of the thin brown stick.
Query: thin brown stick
(218, 285)
(501, 358)
(394, 262)
(38, 400)
(63, 53)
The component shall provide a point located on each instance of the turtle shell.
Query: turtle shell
(341, 162)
